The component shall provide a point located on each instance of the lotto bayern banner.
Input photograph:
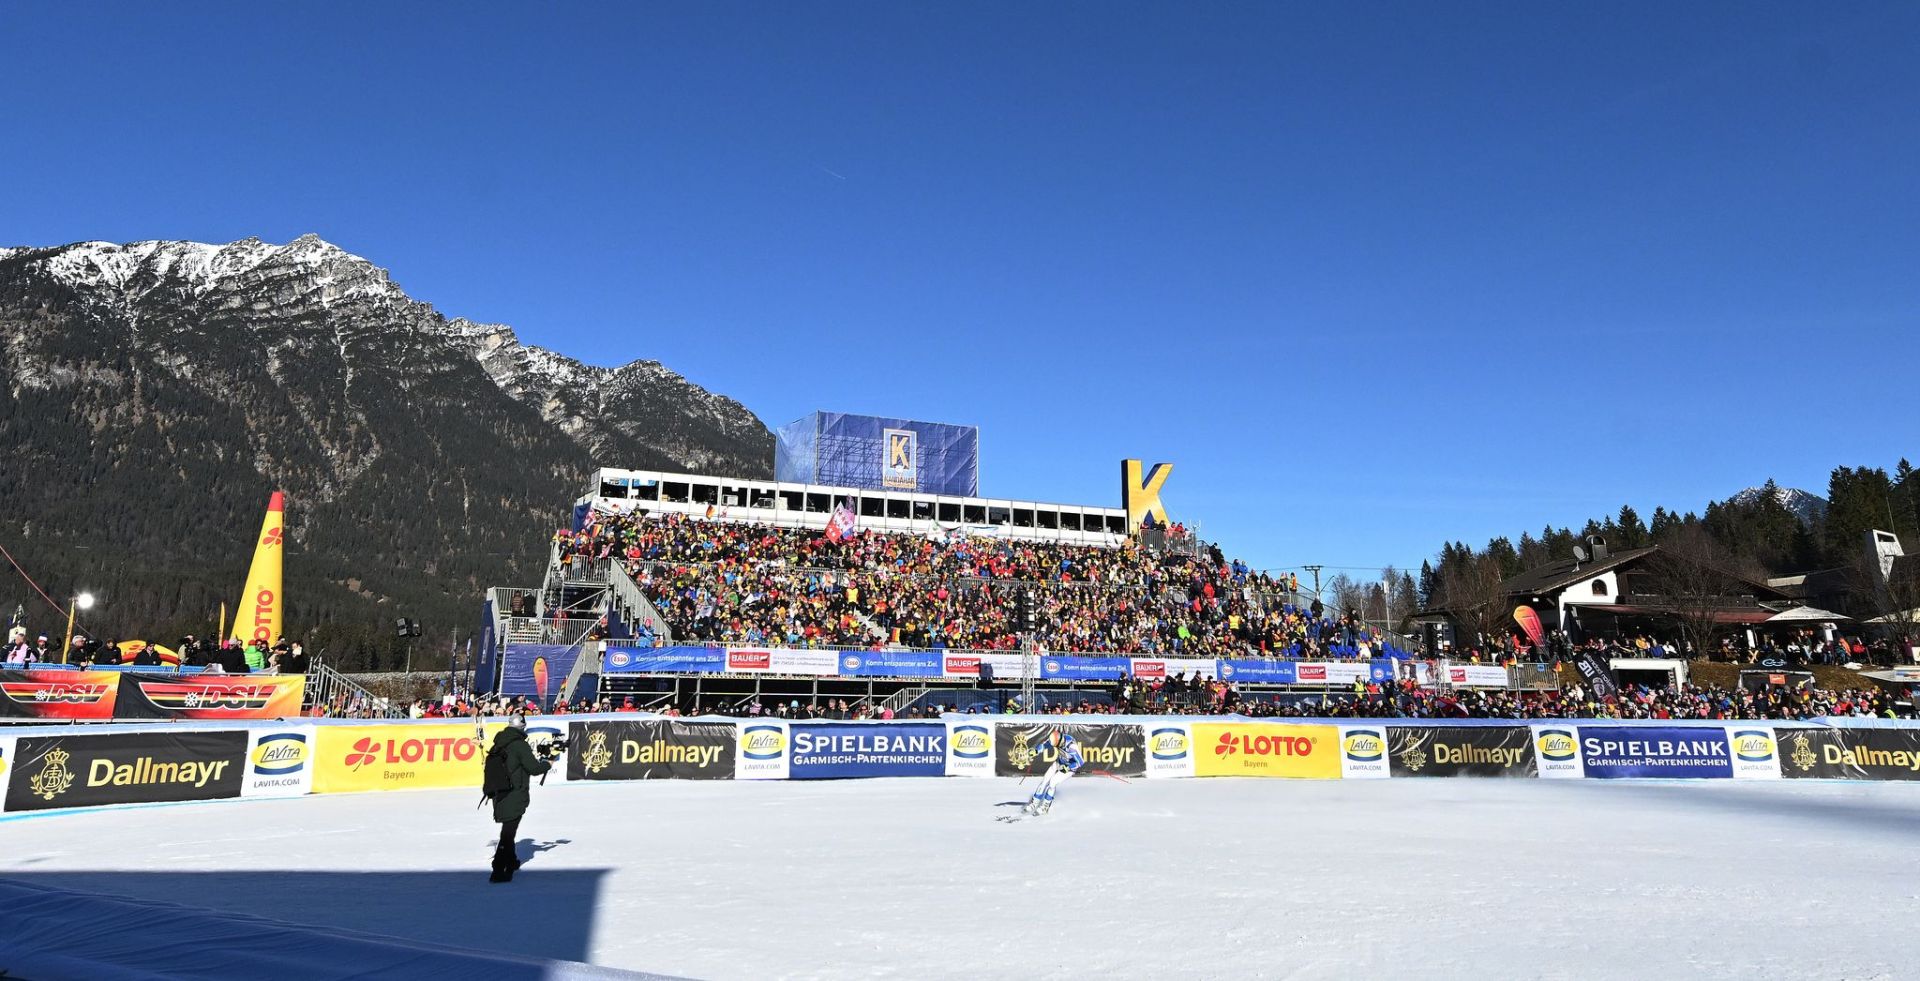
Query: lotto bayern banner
(1611, 752)
(891, 664)
(834, 750)
(663, 660)
(400, 757)
(1067, 668)
(1264, 749)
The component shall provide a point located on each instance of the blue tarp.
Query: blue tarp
(879, 453)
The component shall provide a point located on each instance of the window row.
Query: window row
(805, 502)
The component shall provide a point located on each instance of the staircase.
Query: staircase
(639, 609)
(327, 688)
(898, 701)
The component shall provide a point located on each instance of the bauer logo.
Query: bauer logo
(1558, 745)
(280, 754)
(1364, 745)
(763, 742)
(1168, 744)
(1753, 745)
(972, 742)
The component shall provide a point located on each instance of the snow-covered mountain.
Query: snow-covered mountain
(1808, 507)
(151, 393)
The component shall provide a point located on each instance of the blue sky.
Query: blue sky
(1371, 276)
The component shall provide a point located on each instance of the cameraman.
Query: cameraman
(509, 766)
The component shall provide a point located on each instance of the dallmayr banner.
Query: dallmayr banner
(86, 695)
(969, 747)
(1610, 752)
(201, 696)
(400, 757)
(652, 749)
(832, 750)
(1462, 751)
(1849, 754)
(125, 768)
(1020, 748)
(1243, 749)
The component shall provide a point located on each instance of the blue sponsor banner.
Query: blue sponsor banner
(1654, 751)
(1085, 668)
(1380, 670)
(663, 660)
(830, 750)
(890, 664)
(1257, 672)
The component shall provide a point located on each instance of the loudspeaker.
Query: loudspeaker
(1431, 636)
(986, 675)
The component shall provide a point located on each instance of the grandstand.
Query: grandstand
(713, 592)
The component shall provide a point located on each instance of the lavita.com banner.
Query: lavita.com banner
(1169, 749)
(969, 746)
(279, 762)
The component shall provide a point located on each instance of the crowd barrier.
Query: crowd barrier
(61, 767)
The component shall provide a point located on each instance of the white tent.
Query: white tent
(1807, 614)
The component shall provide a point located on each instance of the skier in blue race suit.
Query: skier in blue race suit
(1066, 761)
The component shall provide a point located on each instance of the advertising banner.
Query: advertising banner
(210, 696)
(1343, 672)
(1083, 668)
(663, 660)
(1465, 751)
(1476, 676)
(6, 762)
(1556, 749)
(543, 729)
(125, 768)
(835, 750)
(891, 664)
(1597, 675)
(783, 660)
(1363, 752)
(1848, 754)
(1611, 752)
(399, 757)
(1254, 749)
(1005, 666)
(1169, 749)
(1020, 748)
(1250, 671)
(969, 748)
(59, 694)
(1756, 755)
(1153, 668)
(763, 750)
(652, 749)
(279, 762)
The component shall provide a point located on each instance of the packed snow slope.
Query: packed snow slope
(1217, 878)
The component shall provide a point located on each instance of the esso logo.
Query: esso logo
(1053, 667)
(619, 659)
(851, 662)
(1226, 670)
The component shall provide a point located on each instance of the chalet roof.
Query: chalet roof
(1561, 573)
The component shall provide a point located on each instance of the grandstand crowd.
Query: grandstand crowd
(728, 582)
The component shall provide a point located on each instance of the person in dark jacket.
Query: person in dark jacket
(512, 754)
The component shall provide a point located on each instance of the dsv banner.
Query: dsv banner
(1461, 751)
(1021, 749)
(651, 749)
(125, 768)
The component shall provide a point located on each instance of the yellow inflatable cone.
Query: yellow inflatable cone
(262, 611)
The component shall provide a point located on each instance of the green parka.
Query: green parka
(522, 766)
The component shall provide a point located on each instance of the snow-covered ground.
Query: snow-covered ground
(1216, 878)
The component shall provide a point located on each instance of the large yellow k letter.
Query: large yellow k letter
(1142, 497)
